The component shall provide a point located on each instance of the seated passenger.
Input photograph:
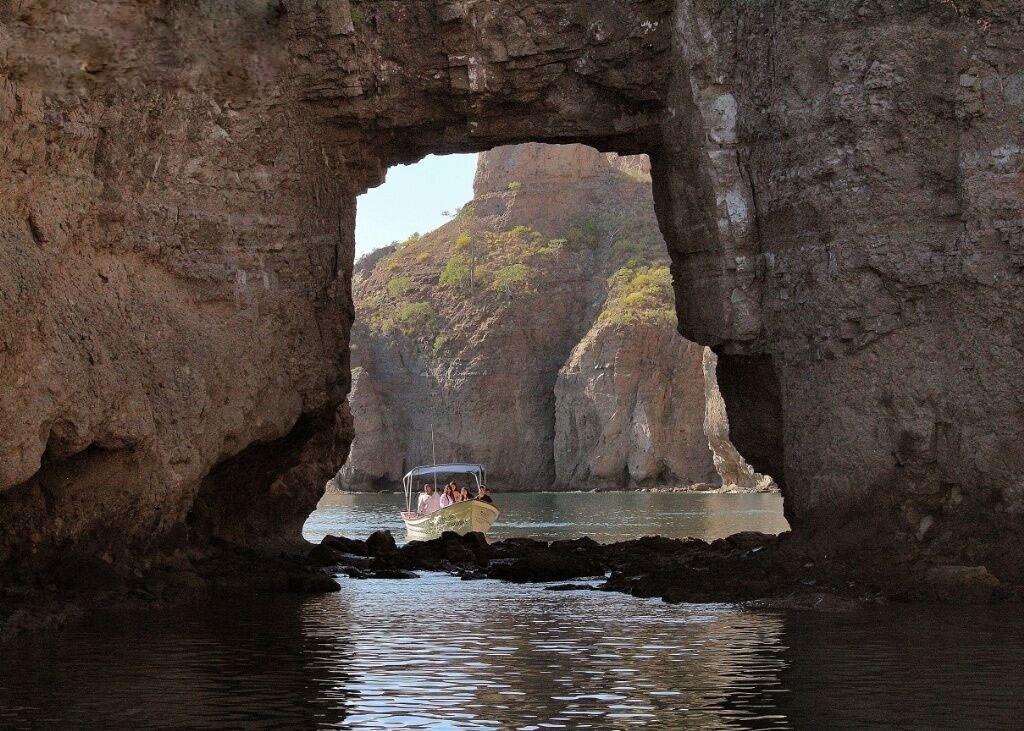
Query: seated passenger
(484, 494)
(448, 498)
(463, 494)
(428, 501)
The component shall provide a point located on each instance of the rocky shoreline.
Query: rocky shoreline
(764, 570)
(756, 570)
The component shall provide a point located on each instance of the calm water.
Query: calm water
(441, 653)
(604, 516)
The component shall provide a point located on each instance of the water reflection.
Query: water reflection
(520, 657)
(441, 653)
(910, 667)
(234, 663)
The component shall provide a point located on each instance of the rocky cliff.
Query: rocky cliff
(534, 333)
(838, 184)
(630, 410)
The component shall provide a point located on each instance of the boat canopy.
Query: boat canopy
(445, 469)
(440, 471)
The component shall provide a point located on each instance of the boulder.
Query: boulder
(345, 545)
(312, 583)
(323, 555)
(449, 549)
(381, 543)
(954, 585)
(546, 565)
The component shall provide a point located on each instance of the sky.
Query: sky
(412, 199)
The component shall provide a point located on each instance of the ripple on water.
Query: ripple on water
(442, 653)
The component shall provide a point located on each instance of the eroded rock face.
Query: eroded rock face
(630, 410)
(558, 379)
(375, 458)
(839, 186)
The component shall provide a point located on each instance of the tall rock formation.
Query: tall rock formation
(630, 410)
(838, 183)
(534, 333)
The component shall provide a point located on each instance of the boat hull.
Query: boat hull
(468, 516)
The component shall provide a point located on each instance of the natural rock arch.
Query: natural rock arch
(838, 183)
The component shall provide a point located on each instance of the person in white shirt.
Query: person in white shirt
(448, 498)
(426, 497)
(434, 503)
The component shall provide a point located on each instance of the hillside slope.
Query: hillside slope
(535, 333)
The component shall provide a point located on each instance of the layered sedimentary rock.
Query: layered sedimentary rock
(839, 185)
(535, 333)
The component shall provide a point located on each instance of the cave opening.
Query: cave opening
(523, 314)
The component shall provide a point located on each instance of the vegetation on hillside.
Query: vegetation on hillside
(424, 284)
(640, 294)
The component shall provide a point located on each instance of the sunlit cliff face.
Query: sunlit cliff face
(839, 192)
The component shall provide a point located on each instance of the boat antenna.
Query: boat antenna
(433, 453)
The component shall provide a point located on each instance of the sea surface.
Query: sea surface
(604, 516)
(437, 652)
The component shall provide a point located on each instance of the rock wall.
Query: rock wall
(839, 185)
(175, 286)
(630, 410)
(858, 274)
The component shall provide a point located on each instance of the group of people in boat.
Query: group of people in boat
(431, 499)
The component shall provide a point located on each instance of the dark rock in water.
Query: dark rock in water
(746, 567)
(313, 583)
(516, 547)
(381, 543)
(345, 545)
(954, 585)
(394, 574)
(355, 572)
(333, 553)
(546, 565)
(586, 544)
(323, 555)
(472, 575)
(441, 553)
(746, 541)
(477, 543)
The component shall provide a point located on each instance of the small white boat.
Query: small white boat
(465, 517)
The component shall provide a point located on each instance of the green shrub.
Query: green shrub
(583, 233)
(511, 277)
(456, 272)
(482, 274)
(464, 241)
(640, 294)
(515, 185)
(554, 246)
(398, 286)
(439, 342)
(415, 318)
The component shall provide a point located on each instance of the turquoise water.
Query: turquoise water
(441, 653)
